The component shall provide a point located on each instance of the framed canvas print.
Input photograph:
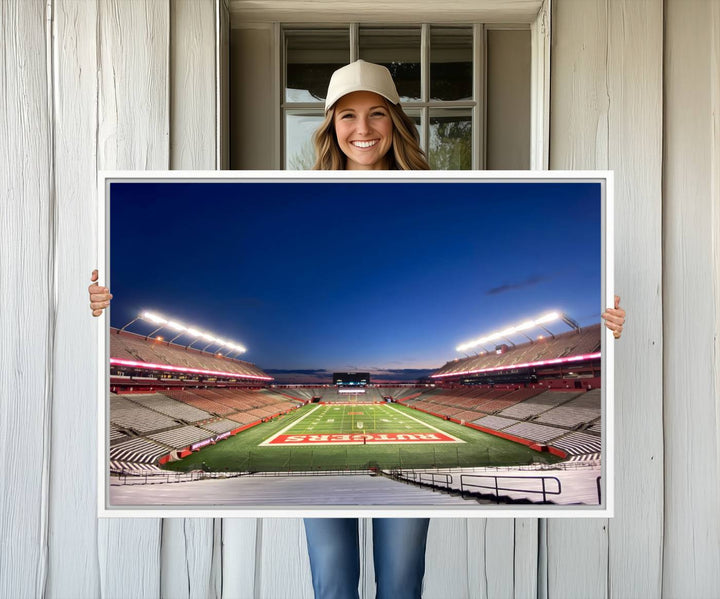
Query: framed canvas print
(356, 344)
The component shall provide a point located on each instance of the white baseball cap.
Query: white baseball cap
(361, 76)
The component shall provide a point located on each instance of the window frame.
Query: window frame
(273, 12)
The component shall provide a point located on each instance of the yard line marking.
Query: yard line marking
(267, 441)
(425, 423)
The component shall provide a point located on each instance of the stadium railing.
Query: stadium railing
(496, 487)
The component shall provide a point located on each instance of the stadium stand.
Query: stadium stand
(571, 343)
(332, 395)
(219, 426)
(398, 393)
(116, 435)
(495, 422)
(579, 443)
(138, 450)
(174, 409)
(180, 437)
(127, 414)
(155, 415)
(129, 346)
(538, 404)
(296, 392)
(534, 432)
(198, 398)
(581, 410)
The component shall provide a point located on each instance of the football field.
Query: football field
(358, 436)
(358, 424)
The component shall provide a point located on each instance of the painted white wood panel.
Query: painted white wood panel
(193, 85)
(239, 557)
(607, 113)
(447, 558)
(490, 549)
(692, 317)
(282, 566)
(526, 549)
(133, 132)
(635, 535)
(27, 305)
(73, 561)
(187, 559)
(133, 128)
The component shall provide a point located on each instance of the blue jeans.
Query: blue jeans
(398, 551)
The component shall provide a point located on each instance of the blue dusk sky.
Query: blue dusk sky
(337, 276)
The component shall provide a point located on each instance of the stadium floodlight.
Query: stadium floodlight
(506, 333)
(176, 326)
(182, 329)
(153, 318)
(548, 318)
(528, 324)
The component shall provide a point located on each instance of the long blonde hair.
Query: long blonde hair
(405, 154)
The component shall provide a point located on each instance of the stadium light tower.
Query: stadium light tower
(189, 331)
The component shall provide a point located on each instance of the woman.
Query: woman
(365, 129)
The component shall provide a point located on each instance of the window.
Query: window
(439, 72)
(468, 88)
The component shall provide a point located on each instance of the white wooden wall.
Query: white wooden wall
(132, 85)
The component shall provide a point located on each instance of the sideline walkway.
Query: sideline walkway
(292, 491)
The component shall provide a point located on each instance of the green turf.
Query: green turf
(358, 418)
(243, 453)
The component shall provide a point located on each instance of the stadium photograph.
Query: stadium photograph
(318, 344)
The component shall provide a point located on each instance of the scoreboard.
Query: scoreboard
(355, 379)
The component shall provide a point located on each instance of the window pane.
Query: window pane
(451, 55)
(398, 50)
(311, 58)
(414, 115)
(450, 139)
(299, 149)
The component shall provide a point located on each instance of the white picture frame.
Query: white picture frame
(604, 510)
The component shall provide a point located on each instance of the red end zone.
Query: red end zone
(359, 439)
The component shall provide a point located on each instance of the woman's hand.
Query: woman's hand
(615, 318)
(99, 296)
